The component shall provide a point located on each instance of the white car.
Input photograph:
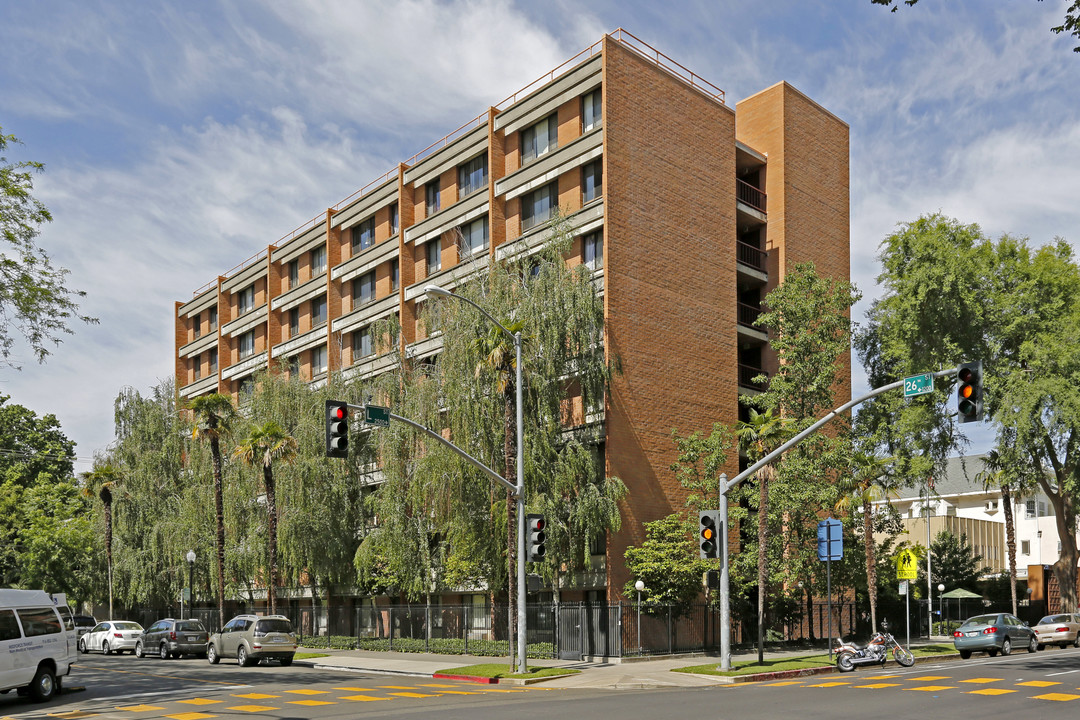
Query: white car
(111, 636)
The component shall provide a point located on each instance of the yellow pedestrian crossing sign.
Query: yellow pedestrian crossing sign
(907, 565)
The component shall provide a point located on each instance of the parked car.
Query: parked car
(994, 633)
(1061, 630)
(36, 650)
(84, 624)
(172, 638)
(250, 638)
(111, 636)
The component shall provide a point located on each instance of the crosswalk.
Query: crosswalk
(238, 704)
(1050, 690)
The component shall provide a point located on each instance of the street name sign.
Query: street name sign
(377, 415)
(918, 385)
(907, 565)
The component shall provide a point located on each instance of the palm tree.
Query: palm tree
(867, 484)
(998, 475)
(100, 481)
(757, 438)
(265, 444)
(215, 415)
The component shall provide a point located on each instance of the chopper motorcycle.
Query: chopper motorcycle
(850, 656)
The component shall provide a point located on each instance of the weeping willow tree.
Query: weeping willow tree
(443, 525)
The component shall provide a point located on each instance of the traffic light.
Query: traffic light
(969, 401)
(709, 534)
(535, 537)
(337, 429)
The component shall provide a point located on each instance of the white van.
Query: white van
(35, 648)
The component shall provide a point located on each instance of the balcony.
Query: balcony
(750, 195)
(748, 314)
(747, 373)
(751, 256)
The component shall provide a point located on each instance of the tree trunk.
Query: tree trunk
(763, 479)
(1065, 520)
(108, 553)
(810, 612)
(1010, 540)
(271, 535)
(871, 566)
(215, 454)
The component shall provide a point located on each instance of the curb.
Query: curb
(466, 678)
(807, 672)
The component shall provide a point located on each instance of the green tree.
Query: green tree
(215, 416)
(55, 544)
(34, 298)
(951, 294)
(955, 563)
(667, 562)
(1070, 25)
(262, 446)
(701, 459)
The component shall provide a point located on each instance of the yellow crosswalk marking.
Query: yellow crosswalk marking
(363, 698)
(1038, 683)
(439, 685)
(354, 689)
(190, 716)
(876, 686)
(256, 696)
(412, 694)
(310, 702)
(786, 682)
(982, 680)
(72, 714)
(880, 677)
(251, 708)
(140, 708)
(931, 678)
(932, 688)
(202, 701)
(459, 692)
(831, 684)
(395, 687)
(1060, 697)
(305, 691)
(990, 691)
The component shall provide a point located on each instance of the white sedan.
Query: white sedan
(111, 636)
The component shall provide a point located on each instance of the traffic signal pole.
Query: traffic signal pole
(726, 485)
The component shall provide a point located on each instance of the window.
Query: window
(538, 206)
(318, 261)
(318, 311)
(590, 111)
(213, 360)
(395, 222)
(294, 273)
(318, 360)
(395, 275)
(197, 323)
(213, 319)
(294, 366)
(247, 344)
(363, 235)
(363, 289)
(592, 181)
(434, 257)
(539, 139)
(362, 345)
(294, 322)
(39, 621)
(245, 300)
(593, 249)
(472, 175)
(474, 237)
(9, 627)
(431, 197)
(196, 365)
(1025, 547)
(246, 388)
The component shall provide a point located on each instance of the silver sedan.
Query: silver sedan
(1061, 630)
(111, 636)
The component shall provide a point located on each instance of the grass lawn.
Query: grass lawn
(308, 656)
(802, 662)
(501, 670)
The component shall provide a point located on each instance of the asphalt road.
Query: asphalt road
(133, 689)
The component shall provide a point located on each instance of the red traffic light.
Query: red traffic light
(339, 412)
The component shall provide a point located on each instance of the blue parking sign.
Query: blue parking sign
(830, 540)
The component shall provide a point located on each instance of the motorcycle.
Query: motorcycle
(850, 656)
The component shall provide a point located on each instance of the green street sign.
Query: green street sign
(918, 385)
(377, 415)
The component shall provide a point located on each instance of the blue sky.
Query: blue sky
(180, 138)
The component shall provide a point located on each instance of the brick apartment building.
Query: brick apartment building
(688, 210)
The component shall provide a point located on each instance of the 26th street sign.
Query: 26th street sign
(918, 385)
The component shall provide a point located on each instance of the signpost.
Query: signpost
(830, 546)
(907, 568)
(918, 385)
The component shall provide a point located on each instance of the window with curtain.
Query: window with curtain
(362, 344)
(590, 110)
(592, 181)
(432, 202)
(434, 257)
(363, 235)
(474, 237)
(364, 289)
(318, 310)
(540, 139)
(539, 205)
(472, 175)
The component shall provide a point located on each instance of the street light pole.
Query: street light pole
(190, 581)
(639, 586)
(519, 493)
(941, 607)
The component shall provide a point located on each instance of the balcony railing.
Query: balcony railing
(750, 195)
(747, 373)
(748, 314)
(750, 255)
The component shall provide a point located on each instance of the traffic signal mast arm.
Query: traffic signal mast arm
(461, 453)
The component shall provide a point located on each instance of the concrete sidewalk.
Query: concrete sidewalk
(626, 673)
